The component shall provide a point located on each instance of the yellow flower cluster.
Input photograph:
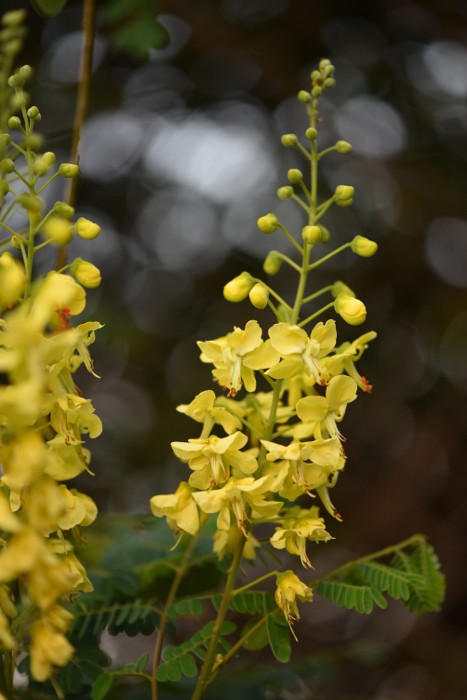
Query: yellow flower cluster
(43, 421)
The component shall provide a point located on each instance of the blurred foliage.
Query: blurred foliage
(133, 27)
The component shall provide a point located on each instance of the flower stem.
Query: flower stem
(206, 670)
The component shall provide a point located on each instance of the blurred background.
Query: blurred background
(180, 155)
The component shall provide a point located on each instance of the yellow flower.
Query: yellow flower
(49, 648)
(179, 508)
(298, 526)
(289, 589)
(234, 497)
(237, 355)
(346, 356)
(86, 273)
(300, 352)
(203, 409)
(352, 310)
(323, 413)
(58, 294)
(12, 279)
(213, 459)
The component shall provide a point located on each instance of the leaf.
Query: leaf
(142, 662)
(279, 640)
(347, 595)
(423, 561)
(101, 686)
(48, 8)
(188, 666)
(259, 638)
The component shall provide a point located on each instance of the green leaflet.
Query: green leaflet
(48, 8)
(279, 639)
(101, 686)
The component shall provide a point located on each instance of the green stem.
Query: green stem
(316, 314)
(181, 570)
(290, 262)
(317, 294)
(291, 238)
(238, 645)
(89, 16)
(206, 670)
(323, 209)
(237, 591)
(328, 256)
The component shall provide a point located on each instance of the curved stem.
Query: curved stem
(89, 14)
(181, 570)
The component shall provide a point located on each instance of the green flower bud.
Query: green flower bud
(86, 229)
(364, 246)
(295, 175)
(311, 234)
(329, 82)
(311, 133)
(325, 234)
(289, 140)
(352, 310)
(343, 147)
(86, 273)
(341, 288)
(15, 242)
(33, 113)
(14, 123)
(34, 141)
(317, 91)
(58, 230)
(272, 262)
(304, 96)
(30, 202)
(315, 75)
(13, 18)
(18, 79)
(63, 210)
(68, 170)
(259, 296)
(344, 195)
(285, 192)
(19, 100)
(325, 64)
(43, 163)
(4, 188)
(5, 140)
(7, 165)
(25, 73)
(268, 223)
(237, 289)
(12, 47)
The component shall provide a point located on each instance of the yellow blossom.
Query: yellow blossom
(179, 508)
(322, 413)
(298, 526)
(12, 279)
(289, 590)
(204, 409)
(49, 648)
(300, 352)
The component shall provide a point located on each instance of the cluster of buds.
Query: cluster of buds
(44, 418)
(260, 453)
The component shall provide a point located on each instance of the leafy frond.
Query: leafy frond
(131, 617)
(248, 602)
(422, 562)
(349, 595)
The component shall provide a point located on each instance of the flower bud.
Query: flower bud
(311, 133)
(344, 195)
(30, 202)
(13, 18)
(289, 140)
(352, 310)
(341, 288)
(68, 170)
(315, 75)
(343, 147)
(364, 246)
(325, 234)
(64, 210)
(329, 82)
(87, 229)
(86, 273)
(4, 187)
(285, 192)
(311, 234)
(34, 141)
(43, 163)
(57, 230)
(268, 223)
(304, 96)
(19, 100)
(33, 113)
(259, 296)
(317, 91)
(14, 123)
(7, 165)
(12, 280)
(5, 140)
(272, 262)
(295, 175)
(237, 289)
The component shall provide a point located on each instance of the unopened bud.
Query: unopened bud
(285, 192)
(325, 234)
(19, 100)
(68, 170)
(14, 123)
(317, 91)
(304, 96)
(352, 310)
(259, 296)
(364, 246)
(7, 165)
(57, 230)
(344, 195)
(4, 187)
(5, 140)
(311, 133)
(289, 140)
(237, 289)
(64, 210)
(87, 229)
(272, 262)
(311, 234)
(43, 163)
(34, 141)
(30, 202)
(33, 113)
(86, 273)
(343, 147)
(268, 223)
(315, 75)
(329, 82)
(12, 280)
(13, 18)
(295, 175)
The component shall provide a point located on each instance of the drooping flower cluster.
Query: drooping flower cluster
(261, 457)
(44, 419)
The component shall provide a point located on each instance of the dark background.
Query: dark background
(180, 155)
